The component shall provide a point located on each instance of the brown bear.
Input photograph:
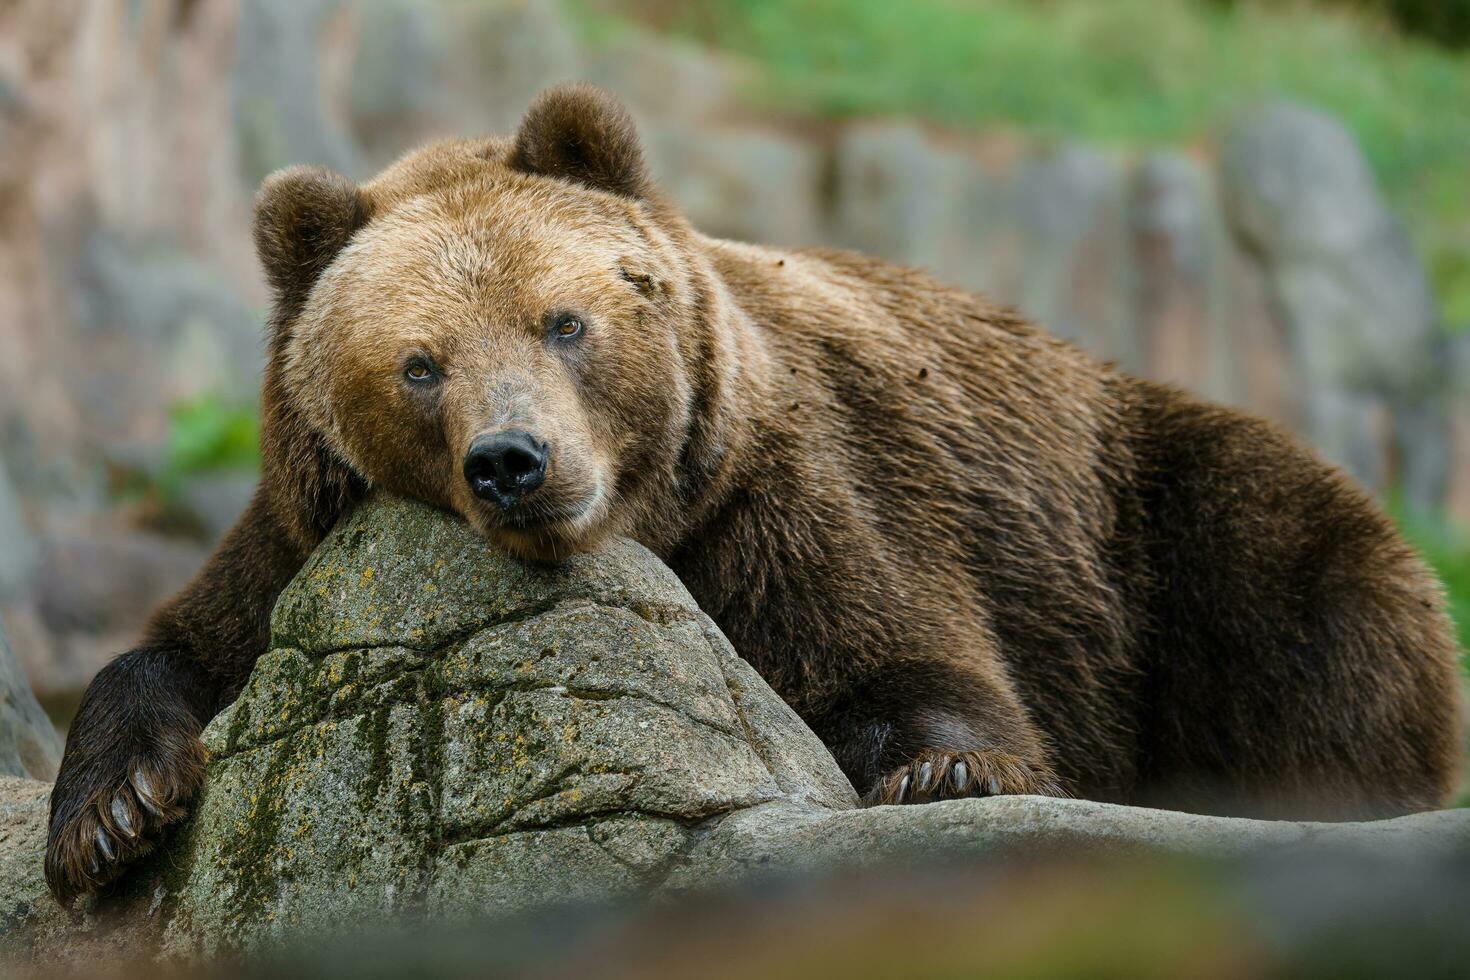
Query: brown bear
(975, 560)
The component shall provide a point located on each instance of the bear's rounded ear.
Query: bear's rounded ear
(303, 218)
(583, 134)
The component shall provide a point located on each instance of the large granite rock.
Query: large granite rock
(1200, 323)
(739, 182)
(892, 191)
(29, 744)
(279, 103)
(1457, 503)
(442, 730)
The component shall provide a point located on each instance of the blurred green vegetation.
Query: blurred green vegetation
(209, 435)
(1445, 22)
(1136, 72)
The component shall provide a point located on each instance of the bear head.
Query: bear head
(512, 329)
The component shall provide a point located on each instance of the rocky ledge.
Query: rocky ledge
(440, 730)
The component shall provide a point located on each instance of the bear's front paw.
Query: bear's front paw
(944, 775)
(112, 808)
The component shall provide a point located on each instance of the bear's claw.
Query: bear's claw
(945, 775)
(104, 844)
(98, 830)
(120, 818)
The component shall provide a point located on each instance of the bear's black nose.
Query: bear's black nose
(504, 466)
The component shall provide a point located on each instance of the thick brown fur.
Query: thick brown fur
(975, 560)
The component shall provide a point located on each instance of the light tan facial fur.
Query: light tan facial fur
(470, 278)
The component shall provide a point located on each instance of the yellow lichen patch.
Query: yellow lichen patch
(520, 758)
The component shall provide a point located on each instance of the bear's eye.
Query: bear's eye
(566, 326)
(418, 371)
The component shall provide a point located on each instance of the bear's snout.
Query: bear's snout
(502, 467)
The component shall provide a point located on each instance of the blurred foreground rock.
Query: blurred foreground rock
(444, 731)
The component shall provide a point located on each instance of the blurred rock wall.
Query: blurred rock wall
(1263, 270)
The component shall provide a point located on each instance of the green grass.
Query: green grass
(1137, 72)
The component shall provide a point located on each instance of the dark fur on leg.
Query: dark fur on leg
(133, 760)
(971, 737)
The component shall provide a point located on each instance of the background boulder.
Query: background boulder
(1354, 301)
(29, 745)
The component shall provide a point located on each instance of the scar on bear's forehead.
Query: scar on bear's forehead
(641, 281)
